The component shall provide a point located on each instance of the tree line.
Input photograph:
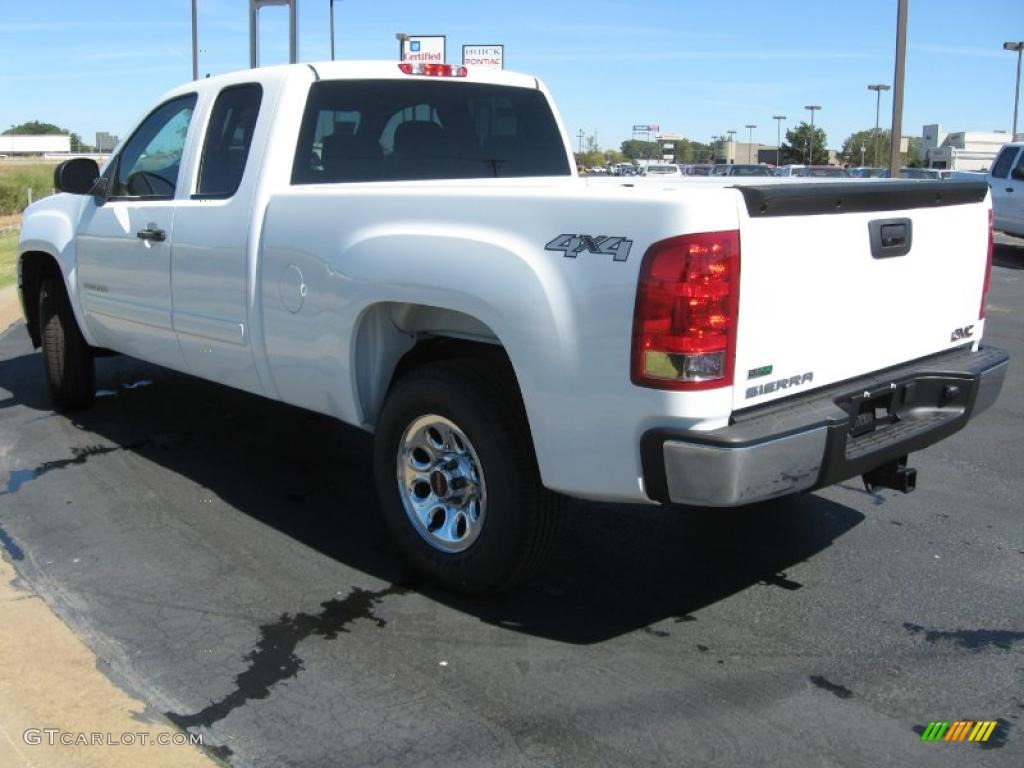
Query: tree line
(801, 142)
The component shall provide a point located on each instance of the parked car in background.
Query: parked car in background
(698, 169)
(787, 170)
(663, 170)
(1006, 178)
(913, 173)
(740, 169)
(865, 172)
(822, 171)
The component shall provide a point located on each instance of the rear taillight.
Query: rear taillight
(988, 269)
(687, 300)
(433, 70)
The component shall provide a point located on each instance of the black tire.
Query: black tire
(67, 359)
(521, 520)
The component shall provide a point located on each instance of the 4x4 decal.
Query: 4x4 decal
(570, 245)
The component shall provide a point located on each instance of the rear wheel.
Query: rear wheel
(458, 481)
(67, 359)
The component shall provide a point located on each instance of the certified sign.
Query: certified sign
(426, 48)
(485, 56)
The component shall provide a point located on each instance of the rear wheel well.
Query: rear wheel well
(436, 349)
(33, 267)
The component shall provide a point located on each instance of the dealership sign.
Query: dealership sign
(646, 128)
(428, 49)
(485, 56)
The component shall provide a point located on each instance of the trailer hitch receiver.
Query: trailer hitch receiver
(893, 474)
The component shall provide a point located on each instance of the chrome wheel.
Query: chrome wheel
(441, 484)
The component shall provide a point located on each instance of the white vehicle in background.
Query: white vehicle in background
(787, 170)
(663, 170)
(405, 247)
(1006, 178)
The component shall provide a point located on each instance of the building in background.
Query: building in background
(105, 142)
(34, 145)
(962, 151)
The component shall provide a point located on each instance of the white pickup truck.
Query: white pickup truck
(406, 248)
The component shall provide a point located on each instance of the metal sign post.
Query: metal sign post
(254, 29)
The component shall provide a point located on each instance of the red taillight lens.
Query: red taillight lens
(687, 300)
(432, 70)
(988, 269)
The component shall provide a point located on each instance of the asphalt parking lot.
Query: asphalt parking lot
(222, 556)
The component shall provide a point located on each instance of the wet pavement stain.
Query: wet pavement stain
(780, 580)
(273, 660)
(655, 632)
(19, 477)
(971, 639)
(840, 691)
(11, 546)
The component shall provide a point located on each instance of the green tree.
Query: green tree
(35, 128)
(851, 149)
(613, 157)
(641, 150)
(794, 148)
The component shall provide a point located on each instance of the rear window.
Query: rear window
(384, 130)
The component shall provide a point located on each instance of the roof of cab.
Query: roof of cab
(355, 70)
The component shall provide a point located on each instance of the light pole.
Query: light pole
(332, 30)
(401, 37)
(195, 42)
(896, 135)
(812, 108)
(1018, 47)
(778, 137)
(750, 141)
(731, 150)
(863, 149)
(877, 88)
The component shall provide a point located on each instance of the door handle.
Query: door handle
(1009, 189)
(152, 233)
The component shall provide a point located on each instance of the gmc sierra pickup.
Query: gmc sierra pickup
(406, 248)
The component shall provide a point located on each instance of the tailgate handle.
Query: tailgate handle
(890, 237)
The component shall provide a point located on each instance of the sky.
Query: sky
(693, 67)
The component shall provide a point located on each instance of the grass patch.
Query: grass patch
(8, 254)
(16, 178)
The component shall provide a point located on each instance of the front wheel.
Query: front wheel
(458, 481)
(67, 359)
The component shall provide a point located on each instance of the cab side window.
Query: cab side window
(228, 139)
(1001, 166)
(149, 164)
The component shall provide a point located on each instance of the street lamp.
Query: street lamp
(332, 30)
(750, 141)
(877, 88)
(401, 37)
(778, 137)
(812, 108)
(1018, 47)
(195, 42)
(730, 151)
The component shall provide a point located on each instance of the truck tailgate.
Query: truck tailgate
(820, 303)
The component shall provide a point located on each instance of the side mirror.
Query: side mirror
(76, 176)
(1017, 173)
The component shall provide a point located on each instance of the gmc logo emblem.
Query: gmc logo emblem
(962, 333)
